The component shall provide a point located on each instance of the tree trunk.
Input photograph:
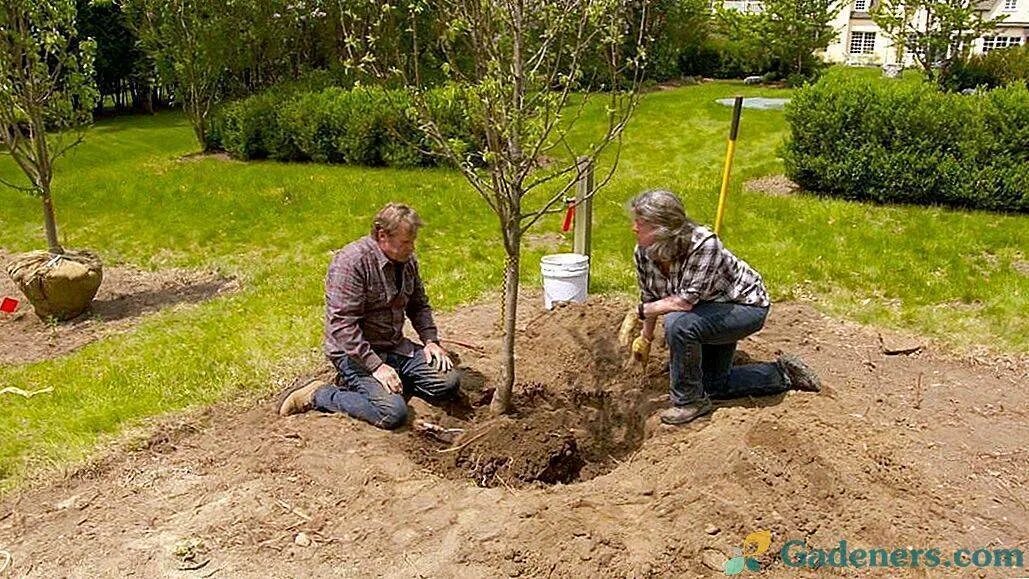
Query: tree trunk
(50, 220)
(501, 402)
(199, 121)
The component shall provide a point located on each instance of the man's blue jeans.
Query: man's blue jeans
(702, 342)
(360, 395)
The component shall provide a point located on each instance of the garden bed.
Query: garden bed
(126, 296)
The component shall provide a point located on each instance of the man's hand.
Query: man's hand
(389, 378)
(437, 357)
(641, 351)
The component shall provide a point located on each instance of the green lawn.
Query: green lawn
(127, 194)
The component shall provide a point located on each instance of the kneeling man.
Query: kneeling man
(372, 285)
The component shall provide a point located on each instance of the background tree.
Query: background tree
(211, 50)
(189, 40)
(793, 30)
(46, 100)
(739, 42)
(124, 73)
(680, 29)
(46, 93)
(936, 33)
(520, 61)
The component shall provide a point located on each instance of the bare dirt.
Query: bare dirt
(775, 185)
(925, 449)
(126, 296)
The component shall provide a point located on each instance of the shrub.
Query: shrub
(311, 120)
(449, 105)
(250, 129)
(365, 125)
(910, 143)
(993, 69)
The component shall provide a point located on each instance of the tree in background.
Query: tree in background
(122, 68)
(794, 30)
(211, 50)
(739, 43)
(189, 41)
(937, 33)
(520, 60)
(46, 101)
(680, 29)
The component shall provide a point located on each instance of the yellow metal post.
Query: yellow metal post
(737, 108)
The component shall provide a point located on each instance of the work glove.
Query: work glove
(641, 351)
(630, 327)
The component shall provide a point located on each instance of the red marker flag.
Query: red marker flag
(8, 305)
(569, 216)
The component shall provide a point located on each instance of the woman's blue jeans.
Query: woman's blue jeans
(702, 342)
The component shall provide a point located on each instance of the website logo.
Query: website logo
(796, 553)
(755, 544)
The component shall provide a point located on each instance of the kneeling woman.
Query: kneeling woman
(711, 299)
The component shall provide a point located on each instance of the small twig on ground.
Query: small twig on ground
(464, 444)
(533, 321)
(464, 345)
(504, 482)
(196, 566)
(25, 393)
(293, 510)
(7, 560)
(1006, 486)
(413, 568)
(918, 392)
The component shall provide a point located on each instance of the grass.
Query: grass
(128, 193)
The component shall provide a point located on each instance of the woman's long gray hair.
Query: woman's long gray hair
(665, 212)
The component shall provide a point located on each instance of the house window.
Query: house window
(998, 42)
(861, 5)
(1009, 5)
(862, 42)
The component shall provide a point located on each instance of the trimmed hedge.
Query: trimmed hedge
(364, 125)
(892, 142)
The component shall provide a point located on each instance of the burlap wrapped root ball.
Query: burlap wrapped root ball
(59, 286)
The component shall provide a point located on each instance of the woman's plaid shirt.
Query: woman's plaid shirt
(708, 273)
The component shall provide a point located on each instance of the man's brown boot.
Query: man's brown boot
(299, 397)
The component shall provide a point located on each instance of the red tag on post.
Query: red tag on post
(569, 216)
(8, 305)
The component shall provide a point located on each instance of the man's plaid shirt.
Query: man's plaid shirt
(708, 273)
(364, 312)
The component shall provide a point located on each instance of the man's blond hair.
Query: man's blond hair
(392, 216)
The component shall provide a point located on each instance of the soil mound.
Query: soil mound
(579, 408)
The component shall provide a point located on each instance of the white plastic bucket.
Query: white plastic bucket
(565, 278)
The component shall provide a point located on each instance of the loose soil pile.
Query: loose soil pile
(126, 295)
(580, 410)
(918, 450)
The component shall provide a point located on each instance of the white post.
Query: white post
(584, 208)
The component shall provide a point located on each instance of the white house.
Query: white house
(860, 41)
